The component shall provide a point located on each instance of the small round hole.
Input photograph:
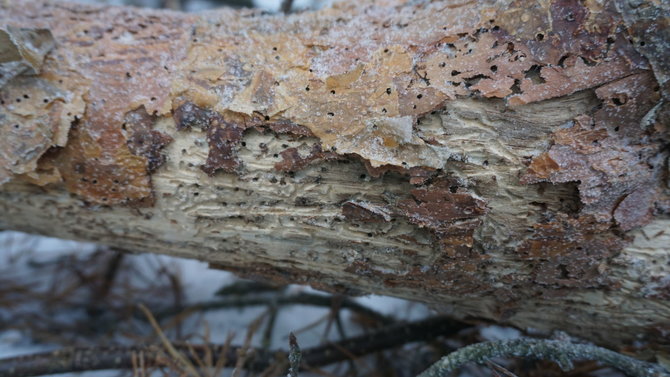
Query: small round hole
(620, 99)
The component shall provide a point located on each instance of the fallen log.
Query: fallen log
(499, 161)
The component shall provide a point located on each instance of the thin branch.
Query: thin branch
(499, 370)
(247, 287)
(246, 352)
(221, 361)
(294, 356)
(385, 338)
(298, 299)
(286, 6)
(561, 352)
(100, 358)
(269, 328)
(184, 361)
(109, 276)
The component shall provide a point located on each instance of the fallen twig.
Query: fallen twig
(561, 352)
(100, 358)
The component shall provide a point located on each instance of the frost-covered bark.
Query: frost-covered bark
(561, 352)
(506, 161)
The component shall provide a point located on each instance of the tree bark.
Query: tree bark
(499, 161)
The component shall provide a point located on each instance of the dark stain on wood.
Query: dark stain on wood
(293, 161)
(143, 140)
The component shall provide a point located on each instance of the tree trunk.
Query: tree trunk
(500, 161)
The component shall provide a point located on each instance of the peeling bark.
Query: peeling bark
(504, 161)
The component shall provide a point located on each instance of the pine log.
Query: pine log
(499, 160)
